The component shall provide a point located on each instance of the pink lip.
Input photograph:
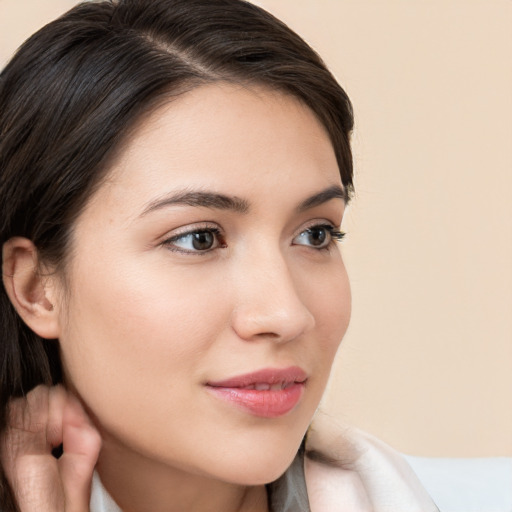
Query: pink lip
(244, 391)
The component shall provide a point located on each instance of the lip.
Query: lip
(267, 393)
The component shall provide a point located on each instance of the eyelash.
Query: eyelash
(335, 236)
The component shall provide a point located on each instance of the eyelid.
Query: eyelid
(191, 228)
(317, 222)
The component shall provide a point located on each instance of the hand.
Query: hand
(45, 419)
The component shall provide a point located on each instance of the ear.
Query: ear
(32, 292)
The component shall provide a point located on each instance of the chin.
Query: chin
(260, 453)
(259, 465)
(257, 475)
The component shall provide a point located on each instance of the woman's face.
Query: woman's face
(207, 255)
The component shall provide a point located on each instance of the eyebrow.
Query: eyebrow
(210, 200)
(333, 192)
(218, 201)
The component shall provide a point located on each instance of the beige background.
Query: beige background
(427, 362)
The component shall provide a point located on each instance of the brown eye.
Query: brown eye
(198, 241)
(318, 237)
(202, 240)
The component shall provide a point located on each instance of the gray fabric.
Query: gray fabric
(288, 493)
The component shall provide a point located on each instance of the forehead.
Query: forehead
(227, 138)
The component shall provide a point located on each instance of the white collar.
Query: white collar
(100, 498)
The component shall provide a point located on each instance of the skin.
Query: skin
(145, 320)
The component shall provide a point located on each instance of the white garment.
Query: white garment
(100, 499)
(367, 475)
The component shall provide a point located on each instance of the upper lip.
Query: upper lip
(263, 376)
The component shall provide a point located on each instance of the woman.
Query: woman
(173, 178)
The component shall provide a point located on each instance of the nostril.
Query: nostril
(267, 335)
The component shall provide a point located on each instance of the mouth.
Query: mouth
(265, 386)
(267, 393)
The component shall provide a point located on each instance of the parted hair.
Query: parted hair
(73, 92)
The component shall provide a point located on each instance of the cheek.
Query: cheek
(136, 305)
(340, 308)
(326, 293)
(329, 298)
(332, 314)
(135, 333)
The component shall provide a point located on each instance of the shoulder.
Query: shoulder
(348, 469)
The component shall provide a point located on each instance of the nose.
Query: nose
(269, 304)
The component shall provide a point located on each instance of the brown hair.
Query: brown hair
(74, 89)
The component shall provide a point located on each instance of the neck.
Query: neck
(140, 484)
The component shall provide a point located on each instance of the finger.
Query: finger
(82, 444)
(56, 406)
(26, 426)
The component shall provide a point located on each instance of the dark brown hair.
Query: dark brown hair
(73, 91)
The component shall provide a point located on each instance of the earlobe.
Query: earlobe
(30, 291)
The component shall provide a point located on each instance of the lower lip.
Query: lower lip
(263, 403)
